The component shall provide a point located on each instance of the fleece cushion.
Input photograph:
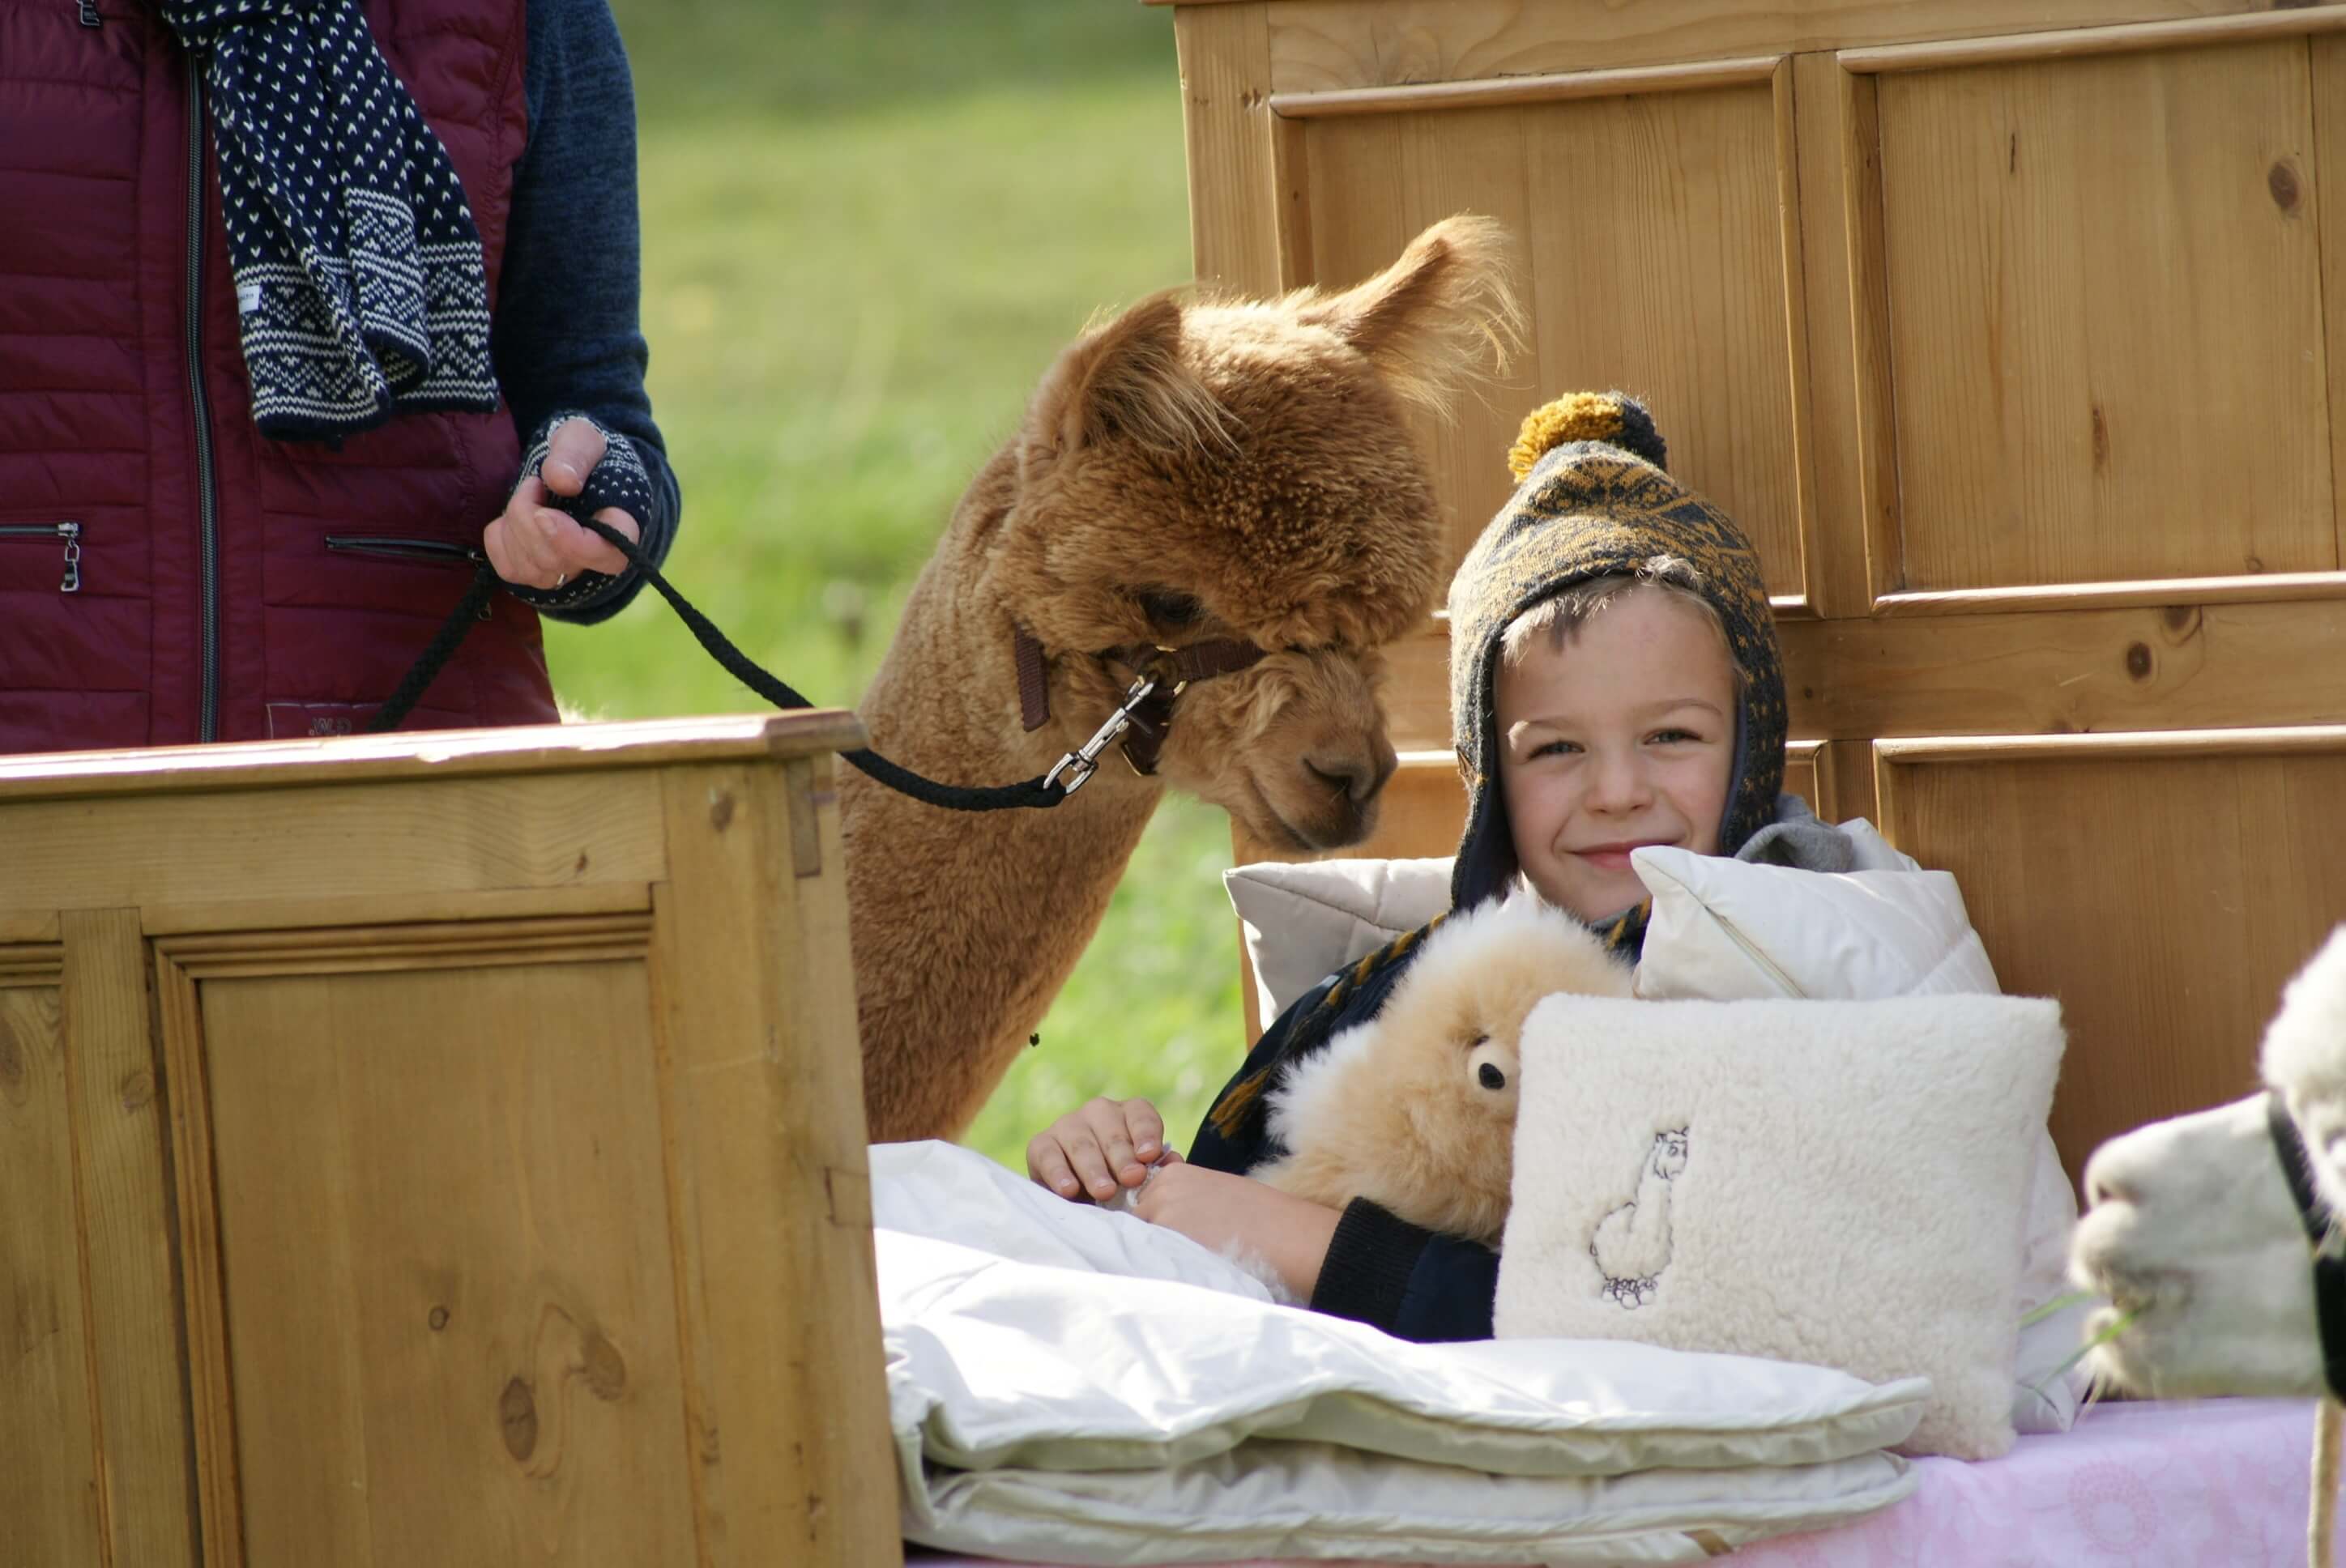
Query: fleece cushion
(1839, 1183)
(1723, 930)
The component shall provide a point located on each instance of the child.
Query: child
(1614, 662)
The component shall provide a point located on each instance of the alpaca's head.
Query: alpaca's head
(1192, 472)
(1669, 1153)
(2190, 1227)
(1432, 1079)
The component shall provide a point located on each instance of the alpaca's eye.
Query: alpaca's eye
(1167, 608)
(1491, 1078)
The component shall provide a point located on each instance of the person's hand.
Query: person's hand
(531, 545)
(1098, 1147)
(1221, 1211)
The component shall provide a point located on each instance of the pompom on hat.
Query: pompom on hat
(1593, 499)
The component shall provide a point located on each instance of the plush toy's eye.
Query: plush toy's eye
(1491, 1078)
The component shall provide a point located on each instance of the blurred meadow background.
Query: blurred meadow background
(868, 226)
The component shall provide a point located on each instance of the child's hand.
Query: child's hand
(1097, 1149)
(1225, 1212)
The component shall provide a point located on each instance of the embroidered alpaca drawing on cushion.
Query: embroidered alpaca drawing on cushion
(1632, 1243)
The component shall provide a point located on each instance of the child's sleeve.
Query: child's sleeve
(1412, 1283)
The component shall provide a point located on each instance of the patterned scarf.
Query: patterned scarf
(358, 269)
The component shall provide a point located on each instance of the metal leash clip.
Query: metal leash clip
(1086, 762)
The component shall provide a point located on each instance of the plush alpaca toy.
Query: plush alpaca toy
(1416, 1109)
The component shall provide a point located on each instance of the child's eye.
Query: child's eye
(1675, 737)
(1557, 748)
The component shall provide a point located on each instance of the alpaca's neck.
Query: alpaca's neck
(964, 925)
(1653, 1196)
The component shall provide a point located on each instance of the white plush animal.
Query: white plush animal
(1416, 1109)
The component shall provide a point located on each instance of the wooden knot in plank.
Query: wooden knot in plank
(517, 1418)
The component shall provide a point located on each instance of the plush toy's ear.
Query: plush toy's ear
(1125, 381)
(1436, 318)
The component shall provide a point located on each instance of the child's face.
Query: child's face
(1621, 737)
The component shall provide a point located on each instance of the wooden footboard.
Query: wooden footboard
(441, 1149)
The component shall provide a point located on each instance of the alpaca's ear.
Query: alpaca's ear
(1126, 381)
(1442, 314)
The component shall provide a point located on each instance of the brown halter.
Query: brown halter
(1161, 674)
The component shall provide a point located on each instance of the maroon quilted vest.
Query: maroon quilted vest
(166, 574)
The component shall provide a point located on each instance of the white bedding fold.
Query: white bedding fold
(1070, 1384)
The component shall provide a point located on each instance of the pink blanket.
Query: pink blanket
(2149, 1485)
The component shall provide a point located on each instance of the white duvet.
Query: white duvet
(1072, 1385)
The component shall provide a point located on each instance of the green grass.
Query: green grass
(867, 229)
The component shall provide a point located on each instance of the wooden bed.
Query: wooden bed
(2014, 335)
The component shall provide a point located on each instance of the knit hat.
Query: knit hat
(1593, 501)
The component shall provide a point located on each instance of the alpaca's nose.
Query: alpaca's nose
(1357, 776)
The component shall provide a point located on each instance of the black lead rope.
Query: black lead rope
(2329, 1266)
(1039, 792)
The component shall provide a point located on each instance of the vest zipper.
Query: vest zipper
(394, 548)
(69, 532)
(402, 549)
(87, 11)
(208, 721)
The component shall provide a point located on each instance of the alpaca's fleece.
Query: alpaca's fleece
(1416, 1109)
(1188, 471)
(2305, 1059)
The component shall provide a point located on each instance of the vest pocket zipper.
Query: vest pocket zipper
(429, 552)
(398, 549)
(69, 533)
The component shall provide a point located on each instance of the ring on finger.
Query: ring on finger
(560, 578)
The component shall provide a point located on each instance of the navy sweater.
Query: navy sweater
(566, 337)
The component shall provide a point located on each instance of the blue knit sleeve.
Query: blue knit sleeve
(1412, 1283)
(567, 335)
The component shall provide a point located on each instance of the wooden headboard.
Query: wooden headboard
(2014, 335)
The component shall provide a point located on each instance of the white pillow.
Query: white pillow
(1839, 1183)
(1726, 930)
(1303, 923)
(1721, 931)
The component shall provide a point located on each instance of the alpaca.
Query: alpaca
(2191, 1225)
(1632, 1243)
(2192, 1229)
(1416, 1109)
(1189, 471)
